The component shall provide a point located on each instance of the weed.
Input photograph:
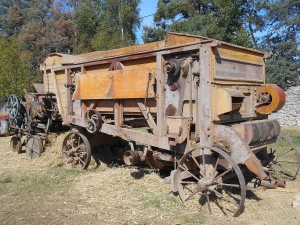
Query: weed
(6, 180)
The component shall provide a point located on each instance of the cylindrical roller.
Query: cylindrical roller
(281, 183)
(132, 157)
(270, 184)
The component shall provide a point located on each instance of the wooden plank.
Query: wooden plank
(148, 117)
(118, 113)
(129, 83)
(238, 54)
(57, 92)
(99, 55)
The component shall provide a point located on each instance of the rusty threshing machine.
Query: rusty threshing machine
(198, 107)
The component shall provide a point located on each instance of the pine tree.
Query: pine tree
(219, 19)
(106, 24)
(282, 40)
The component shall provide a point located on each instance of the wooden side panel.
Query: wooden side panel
(145, 62)
(60, 79)
(129, 83)
(97, 68)
(49, 87)
(48, 82)
(226, 51)
(233, 63)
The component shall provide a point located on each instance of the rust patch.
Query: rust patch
(171, 110)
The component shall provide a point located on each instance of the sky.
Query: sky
(147, 7)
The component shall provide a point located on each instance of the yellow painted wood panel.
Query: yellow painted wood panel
(238, 54)
(129, 83)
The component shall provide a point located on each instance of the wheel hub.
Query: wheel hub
(205, 184)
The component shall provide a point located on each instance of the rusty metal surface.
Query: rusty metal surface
(239, 149)
(274, 103)
(76, 150)
(16, 144)
(259, 131)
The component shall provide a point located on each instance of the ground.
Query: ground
(43, 191)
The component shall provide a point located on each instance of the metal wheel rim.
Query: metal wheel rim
(79, 155)
(180, 184)
(13, 103)
(16, 144)
(275, 157)
(34, 147)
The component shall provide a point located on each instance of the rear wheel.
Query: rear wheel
(283, 158)
(209, 176)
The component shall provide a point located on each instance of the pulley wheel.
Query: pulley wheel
(13, 106)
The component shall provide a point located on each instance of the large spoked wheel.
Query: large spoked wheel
(214, 180)
(284, 159)
(34, 147)
(13, 106)
(76, 150)
(16, 144)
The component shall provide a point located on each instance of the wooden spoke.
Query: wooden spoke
(208, 203)
(224, 197)
(197, 164)
(204, 166)
(195, 192)
(229, 185)
(221, 175)
(189, 172)
(284, 153)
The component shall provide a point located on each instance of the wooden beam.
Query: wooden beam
(148, 117)
(58, 99)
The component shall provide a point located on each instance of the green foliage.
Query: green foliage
(282, 41)
(219, 19)
(271, 25)
(106, 24)
(15, 74)
(86, 20)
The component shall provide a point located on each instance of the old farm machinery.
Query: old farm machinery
(199, 108)
(32, 116)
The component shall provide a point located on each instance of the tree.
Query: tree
(219, 19)
(106, 24)
(86, 20)
(12, 17)
(15, 74)
(282, 40)
(47, 29)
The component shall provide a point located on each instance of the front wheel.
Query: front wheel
(76, 150)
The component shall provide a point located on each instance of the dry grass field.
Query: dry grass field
(43, 191)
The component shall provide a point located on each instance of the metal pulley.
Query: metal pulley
(172, 67)
(271, 98)
(93, 121)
